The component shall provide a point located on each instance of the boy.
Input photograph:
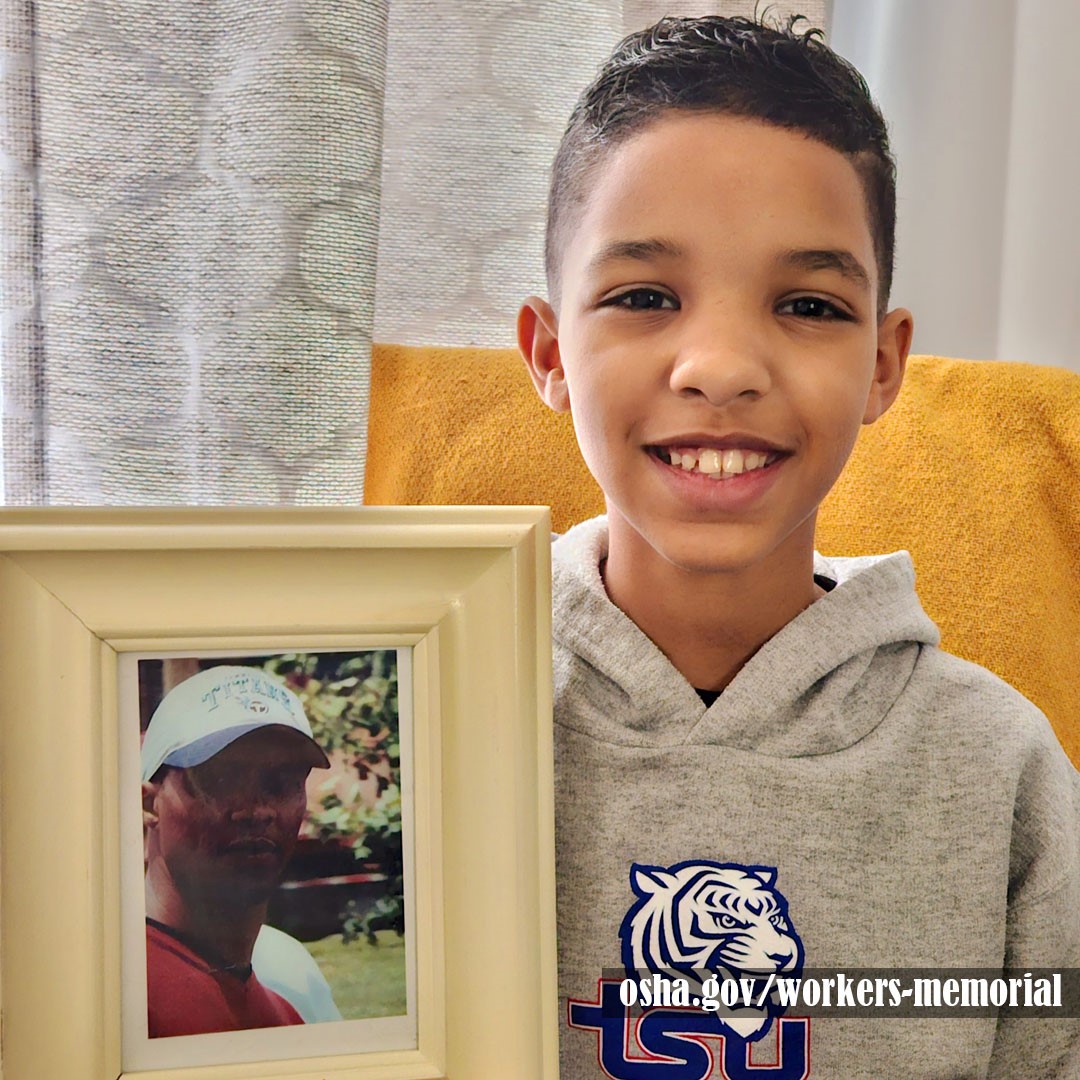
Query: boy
(764, 763)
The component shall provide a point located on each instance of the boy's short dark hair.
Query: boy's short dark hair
(738, 67)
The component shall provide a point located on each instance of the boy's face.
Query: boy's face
(718, 294)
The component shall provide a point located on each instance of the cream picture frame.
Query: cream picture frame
(466, 589)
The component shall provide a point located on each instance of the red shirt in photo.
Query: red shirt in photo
(187, 995)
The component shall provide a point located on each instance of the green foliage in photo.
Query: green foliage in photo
(351, 700)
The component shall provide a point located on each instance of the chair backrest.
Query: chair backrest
(975, 470)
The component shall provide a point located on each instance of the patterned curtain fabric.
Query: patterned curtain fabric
(209, 210)
(22, 479)
(477, 98)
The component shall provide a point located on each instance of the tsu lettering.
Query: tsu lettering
(698, 921)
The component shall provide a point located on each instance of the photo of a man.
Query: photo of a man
(225, 761)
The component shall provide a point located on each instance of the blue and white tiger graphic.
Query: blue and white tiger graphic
(725, 919)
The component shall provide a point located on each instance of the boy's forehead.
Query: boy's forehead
(706, 185)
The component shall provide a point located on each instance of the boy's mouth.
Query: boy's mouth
(715, 463)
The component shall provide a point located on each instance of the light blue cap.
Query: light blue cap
(201, 716)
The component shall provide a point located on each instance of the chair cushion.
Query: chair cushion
(975, 470)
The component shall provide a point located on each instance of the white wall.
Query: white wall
(981, 100)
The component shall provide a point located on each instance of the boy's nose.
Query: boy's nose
(719, 365)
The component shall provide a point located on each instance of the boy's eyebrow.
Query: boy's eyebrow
(633, 249)
(843, 262)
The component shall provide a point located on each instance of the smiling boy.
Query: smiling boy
(763, 760)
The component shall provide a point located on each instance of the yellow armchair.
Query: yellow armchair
(975, 470)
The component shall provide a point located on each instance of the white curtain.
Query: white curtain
(208, 211)
(190, 200)
(981, 98)
(477, 98)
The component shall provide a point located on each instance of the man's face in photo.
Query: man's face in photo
(227, 828)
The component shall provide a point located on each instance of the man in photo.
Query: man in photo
(225, 761)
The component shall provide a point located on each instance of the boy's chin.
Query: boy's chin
(706, 561)
(705, 549)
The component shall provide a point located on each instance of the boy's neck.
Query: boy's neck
(709, 623)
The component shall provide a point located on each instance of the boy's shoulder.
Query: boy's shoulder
(957, 684)
(980, 727)
(883, 587)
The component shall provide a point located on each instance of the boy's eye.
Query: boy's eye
(812, 307)
(642, 300)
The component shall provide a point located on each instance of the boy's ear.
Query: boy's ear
(538, 341)
(894, 341)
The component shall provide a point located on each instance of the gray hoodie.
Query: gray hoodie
(855, 798)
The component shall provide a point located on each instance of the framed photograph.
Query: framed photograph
(289, 824)
(277, 795)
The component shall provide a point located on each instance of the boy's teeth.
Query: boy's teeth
(716, 463)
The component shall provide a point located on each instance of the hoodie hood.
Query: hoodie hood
(821, 683)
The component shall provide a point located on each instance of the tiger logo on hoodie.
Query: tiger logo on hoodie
(701, 918)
